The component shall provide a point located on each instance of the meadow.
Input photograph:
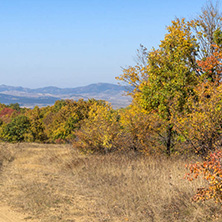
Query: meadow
(57, 183)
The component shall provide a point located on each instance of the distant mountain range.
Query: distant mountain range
(27, 97)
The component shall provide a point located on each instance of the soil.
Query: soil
(7, 215)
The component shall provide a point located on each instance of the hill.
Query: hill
(48, 95)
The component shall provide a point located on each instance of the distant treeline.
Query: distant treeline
(51, 124)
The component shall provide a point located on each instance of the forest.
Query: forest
(176, 109)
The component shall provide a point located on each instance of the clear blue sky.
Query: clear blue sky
(69, 43)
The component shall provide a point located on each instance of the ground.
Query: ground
(42, 182)
(8, 215)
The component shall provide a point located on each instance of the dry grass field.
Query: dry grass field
(51, 183)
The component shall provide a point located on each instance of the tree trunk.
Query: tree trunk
(169, 139)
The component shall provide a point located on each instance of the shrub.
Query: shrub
(17, 129)
(100, 131)
(211, 171)
(200, 128)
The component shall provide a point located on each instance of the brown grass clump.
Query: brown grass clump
(7, 154)
(56, 183)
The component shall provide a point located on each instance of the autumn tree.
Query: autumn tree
(134, 76)
(37, 129)
(204, 26)
(168, 78)
(201, 127)
(99, 132)
(16, 130)
(140, 131)
(63, 118)
(14, 106)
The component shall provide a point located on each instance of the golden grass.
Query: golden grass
(7, 154)
(56, 183)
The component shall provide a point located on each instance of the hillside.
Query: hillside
(48, 95)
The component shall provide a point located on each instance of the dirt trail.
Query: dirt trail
(33, 184)
(7, 215)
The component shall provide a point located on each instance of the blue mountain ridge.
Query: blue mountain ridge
(48, 95)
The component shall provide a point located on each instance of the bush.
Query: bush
(16, 130)
(100, 131)
(211, 171)
(140, 131)
(200, 128)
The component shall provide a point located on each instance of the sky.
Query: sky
(70, 43)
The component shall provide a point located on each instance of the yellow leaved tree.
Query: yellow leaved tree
(99, 132)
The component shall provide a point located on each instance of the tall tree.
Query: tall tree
(205, 25)
(171, 74)
(166, 81)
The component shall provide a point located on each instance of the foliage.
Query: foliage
(6, 111)
(210, 67)
(14, 106)
(134, 76)
(173, 84)
(168, 77)
(171, 76)
(211, 171)
(16, 130)
(37, 129)
(100, 131)
(204, 26)
(65, 117)
(201, 127)
(141, 131)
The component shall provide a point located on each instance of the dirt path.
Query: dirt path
(7, 215)
(35, 187)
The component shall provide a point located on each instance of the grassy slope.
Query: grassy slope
(56, 183)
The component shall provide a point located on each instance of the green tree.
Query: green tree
(14, 106)
(171, 74)
(16, 130)
(164, 84)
